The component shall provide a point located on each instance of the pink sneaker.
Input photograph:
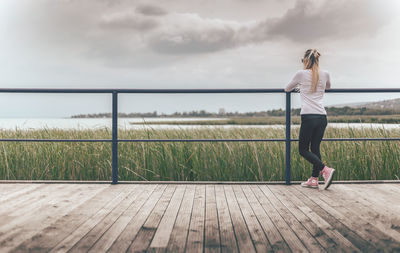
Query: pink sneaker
(327, 174)
(312, 182)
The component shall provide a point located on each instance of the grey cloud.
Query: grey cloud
(151, 10)
(120, 55)
(306, 22)
(128, 21)
(125, 29)
(189, 42)
(189, 33)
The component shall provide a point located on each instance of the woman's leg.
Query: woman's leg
(316, 139)
(307, 128)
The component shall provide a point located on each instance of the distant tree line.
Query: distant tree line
(121, 115)
(332, 111)
(360, 111)
(342, 111)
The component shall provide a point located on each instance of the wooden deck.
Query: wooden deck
(199, 218)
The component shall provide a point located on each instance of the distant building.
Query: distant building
(221, 111)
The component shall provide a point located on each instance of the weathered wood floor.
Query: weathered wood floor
(199, 217)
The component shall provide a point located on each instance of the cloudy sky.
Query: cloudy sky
(190, 44)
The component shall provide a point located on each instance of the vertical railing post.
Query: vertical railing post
(287, 140)
(114, 137)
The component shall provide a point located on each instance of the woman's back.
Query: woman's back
(311, 102)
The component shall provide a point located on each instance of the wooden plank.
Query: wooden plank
(243, 238)
(121, 204)
(277, 242)
(331, 216)
(391, 188)
(366, 210)
(34, 210)
(8, 205)
(373, 203)
(9, 188)
(47, 199)
(286, 231)
(369, 199)
(107, 239)
(362, 227)
(29, 225)
(397, 186)
(211, 238)
(302, 233)
(293, 205)
(195, 240)
(381, 196)
(376, 192)
(34, 200)
(302, 204)
(164, 229)
(14, 191)
(121, 244)
(228, 239)
(147, 231)
(76, 236)
(257, 235)
(344, 244)
(6, 189)
(177, 241)
(31, 197)
(50, 236)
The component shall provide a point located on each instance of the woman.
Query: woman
(312, 83)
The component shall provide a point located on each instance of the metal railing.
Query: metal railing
(115, 140)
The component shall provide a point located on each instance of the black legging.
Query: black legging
(311, 131)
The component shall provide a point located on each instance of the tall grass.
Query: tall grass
(222, 161)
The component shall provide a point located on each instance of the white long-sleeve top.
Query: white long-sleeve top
(311, 102)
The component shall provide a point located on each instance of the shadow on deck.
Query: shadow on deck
(195, 217)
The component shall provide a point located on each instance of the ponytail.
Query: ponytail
(311, 61)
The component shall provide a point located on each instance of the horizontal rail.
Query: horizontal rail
(49, 90)
(141, 140)
(252, 140)
(192, 140)
(144, 90)
(57, 140)
(199, 140)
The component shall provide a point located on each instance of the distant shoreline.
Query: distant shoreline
(386, 119)
(375, 111)
(189, 123)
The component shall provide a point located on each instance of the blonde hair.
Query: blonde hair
(311, 61)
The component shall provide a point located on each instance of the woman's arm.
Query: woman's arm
(294, 82)
(328, 82)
